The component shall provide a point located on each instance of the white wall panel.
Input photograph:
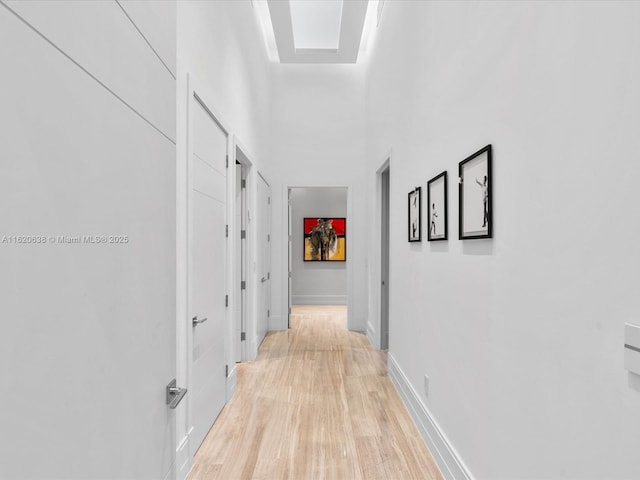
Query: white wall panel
(87, 336)
(89, 33)
(156, 19)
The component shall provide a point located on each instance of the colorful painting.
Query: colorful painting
(325, 239)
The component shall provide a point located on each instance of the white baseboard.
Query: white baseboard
(232, 382)
(371, 335)
(277, 322)
(318, 299)
(184, 460)
(446, 457)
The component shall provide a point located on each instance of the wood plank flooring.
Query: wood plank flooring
(316, 404)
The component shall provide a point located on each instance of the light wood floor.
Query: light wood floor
(316, 404)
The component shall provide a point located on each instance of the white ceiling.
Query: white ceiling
(317, 24)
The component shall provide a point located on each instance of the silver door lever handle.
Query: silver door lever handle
(262, 280)
(197, 322)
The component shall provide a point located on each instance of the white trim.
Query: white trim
(371, 334)
(232, 382)
(247, 160)
(276, 323)
(184, 461)
(376, 256)
(319, 299)
(448, 460)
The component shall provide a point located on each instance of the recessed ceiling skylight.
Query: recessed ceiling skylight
(316, 24)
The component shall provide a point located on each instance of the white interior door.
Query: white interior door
(207, 282)
(264, 258)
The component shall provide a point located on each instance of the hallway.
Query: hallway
(316, 403)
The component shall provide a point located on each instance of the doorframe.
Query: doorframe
(374, 327)
(184, 335)
(246, 159)
(285, 262)
(254, 344)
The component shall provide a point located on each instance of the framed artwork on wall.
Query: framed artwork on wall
(437, 211)
(325, 239)
(415, 215)
(475, 219)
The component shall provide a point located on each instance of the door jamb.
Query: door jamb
(374, 329)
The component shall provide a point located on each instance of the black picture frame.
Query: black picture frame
(437, 208)
(415, 215)
(475, 195)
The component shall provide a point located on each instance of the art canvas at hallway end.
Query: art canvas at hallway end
(325, 239)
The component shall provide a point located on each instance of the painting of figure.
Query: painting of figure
(415, 215)
(325, 239)
(475, 214)
(437, 204)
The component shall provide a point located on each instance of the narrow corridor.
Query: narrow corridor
(317, 403)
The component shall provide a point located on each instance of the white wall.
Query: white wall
(316, 283)
(87, 337)
(521, 336)
(317, 139)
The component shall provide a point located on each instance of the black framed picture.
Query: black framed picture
(437, 212)
(325, 239)
(415, 215)
(475, 219)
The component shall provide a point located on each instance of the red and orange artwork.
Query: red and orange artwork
(325, 239)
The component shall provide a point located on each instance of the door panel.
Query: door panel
(87, 337)
(207, 270)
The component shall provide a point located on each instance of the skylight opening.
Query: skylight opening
(316, 24)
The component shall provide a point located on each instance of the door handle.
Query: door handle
(262, 280)
(174, 394)
(197, 322)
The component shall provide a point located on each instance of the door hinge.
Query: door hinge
(289, 310)
(243, 285)
(226, 231)
(268, 313)
(243, 336)
(243, 234)
(268, 238)
(289, 274)
(268, 275)
(243, 183)
(226, 300)
(226, 371)
(227, 162)
(269, 200)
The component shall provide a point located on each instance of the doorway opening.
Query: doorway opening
(384, 258)
(317, 246)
